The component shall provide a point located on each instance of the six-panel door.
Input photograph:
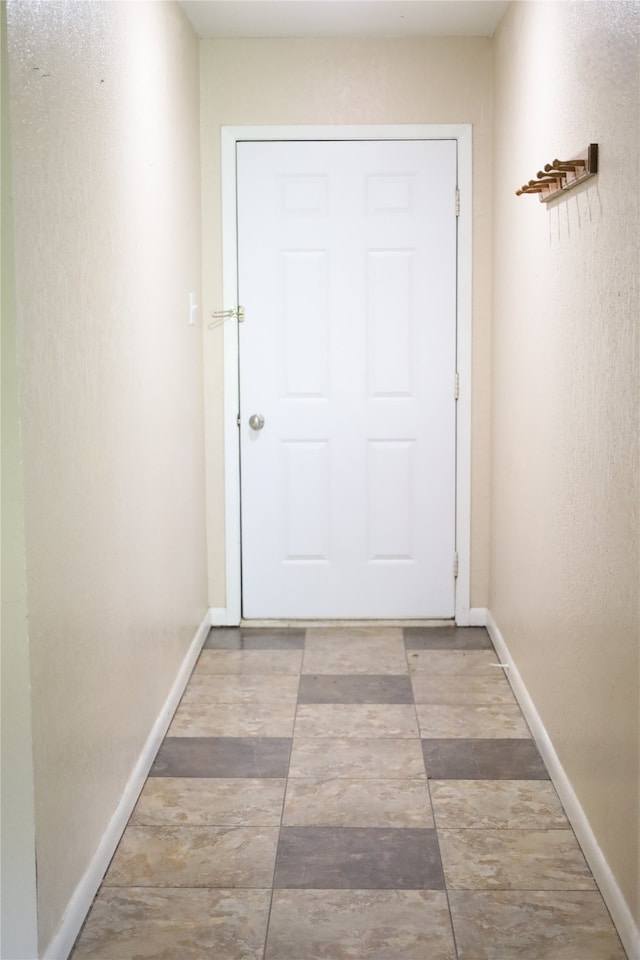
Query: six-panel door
(347, 273)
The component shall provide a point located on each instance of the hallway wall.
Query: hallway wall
(105, 128)
(564, 572)
(18, 933)
(416, 81)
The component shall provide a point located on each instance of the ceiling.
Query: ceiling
(344, 18)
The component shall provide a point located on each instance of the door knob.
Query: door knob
(256, 421)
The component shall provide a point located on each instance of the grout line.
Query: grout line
(284, 800)
(433, 812)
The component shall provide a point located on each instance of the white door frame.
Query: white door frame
(229, 138)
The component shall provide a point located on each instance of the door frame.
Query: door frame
(230, 136)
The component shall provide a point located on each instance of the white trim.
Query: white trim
(221, 617)
(463, 347)
(462, 132)
(611, 893)
(78, 907)
(231, 385)
(477, 617)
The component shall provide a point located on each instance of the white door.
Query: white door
(347, 274)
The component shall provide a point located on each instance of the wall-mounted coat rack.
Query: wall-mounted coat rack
(562, 175)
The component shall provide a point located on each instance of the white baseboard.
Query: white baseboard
(65, 936)
(611, 893)
(478, 617)
(220, 617)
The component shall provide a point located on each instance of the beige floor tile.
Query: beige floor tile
(249, 662)
(356, 720)
(462, 688)
(169, 856)
(452, 662)
(361, 651)
(513, 860)
(358, 803)
(504, 925)
(327, 759)
(503, 804)
(214, 688)
(359, 925)
(146, 924)
(210, 802)
(233, 720)
(444, 720)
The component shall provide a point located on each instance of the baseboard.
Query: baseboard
(478, 617)
(611, 893)
(221, 617)
(63, 940)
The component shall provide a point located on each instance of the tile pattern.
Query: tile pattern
(513, 860)
(354, 689)
(222, 757)
(347, 793)
(500, 804)
(358, 858)
(356, 758)
(483, 759)
(132, 923)
(233, 720)
(533, 925)
(363, 720)
(358, 803)
(210, 801)
(359, 925)
(186, 856)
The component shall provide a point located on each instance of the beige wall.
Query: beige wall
(18, 930)
(564, 572)
(105, 126)
(347, 82)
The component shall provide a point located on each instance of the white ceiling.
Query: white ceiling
(344, 18)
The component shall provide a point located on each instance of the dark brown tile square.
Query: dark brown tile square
(328, 688)
(447, 638)
(358, 858)
(222, 757)
(254, 638)
(478, 759)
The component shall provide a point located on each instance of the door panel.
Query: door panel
(389, 295)
(347, 273)
(389, 515)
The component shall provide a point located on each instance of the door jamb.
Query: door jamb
(230, 136)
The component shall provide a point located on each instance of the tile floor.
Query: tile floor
(348, 794)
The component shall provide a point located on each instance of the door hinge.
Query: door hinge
(457, 202)
(456, 388)
(238, 421)
(455, 564)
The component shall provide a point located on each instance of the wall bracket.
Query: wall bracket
(561, 175)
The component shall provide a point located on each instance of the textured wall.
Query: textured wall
(18, 931)
(348, 82)
(105, 128)
(564, 573)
